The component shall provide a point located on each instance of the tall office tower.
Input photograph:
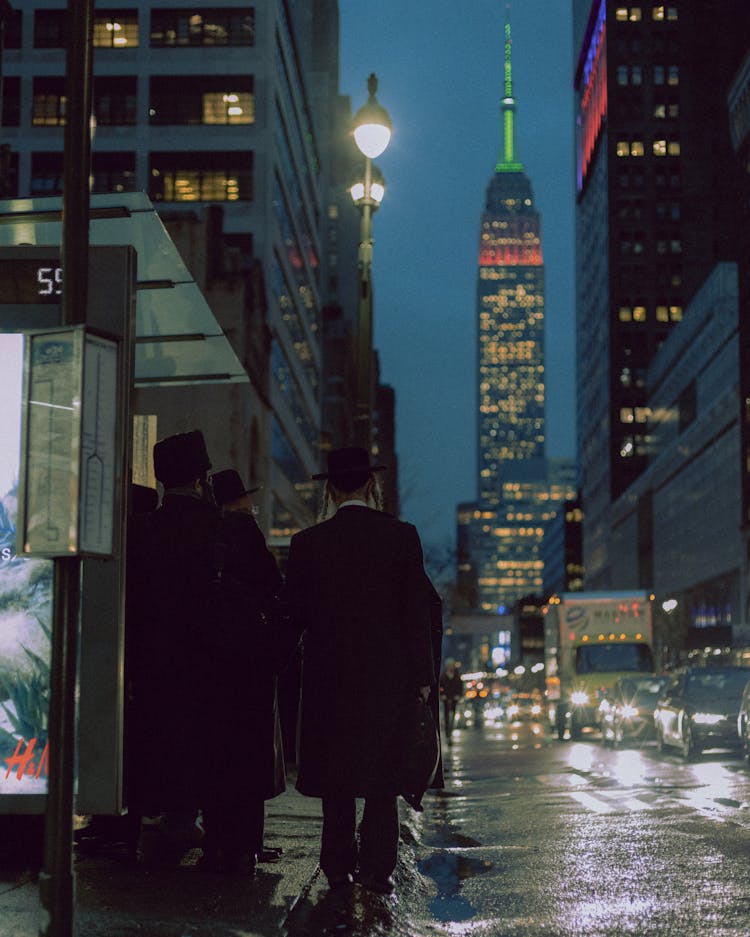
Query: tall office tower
(656, 210)
(208, 105)
(510, 309)
(500, 536)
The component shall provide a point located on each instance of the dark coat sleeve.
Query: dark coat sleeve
(415, 610)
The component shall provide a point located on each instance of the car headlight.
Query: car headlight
(579, 698)
(707, 719)
(628, 712)
(514, 710)
(536, 709)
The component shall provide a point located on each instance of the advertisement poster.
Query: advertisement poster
(25, 608)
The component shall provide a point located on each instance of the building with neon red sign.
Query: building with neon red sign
(656, 211)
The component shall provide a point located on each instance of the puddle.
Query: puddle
(449, 871)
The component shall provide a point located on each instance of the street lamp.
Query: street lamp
(371, 127)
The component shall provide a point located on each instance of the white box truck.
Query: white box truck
(591, 639)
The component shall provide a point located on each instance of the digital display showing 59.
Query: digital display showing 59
(30, 281)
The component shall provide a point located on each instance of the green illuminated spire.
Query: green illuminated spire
(507, 161)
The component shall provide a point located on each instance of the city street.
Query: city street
(538, 837)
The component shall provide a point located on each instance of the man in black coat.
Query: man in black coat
(250, 686)
(357, 592)
(202, 686)
(167, 581)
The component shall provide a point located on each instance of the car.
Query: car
(699, 708)
(525, 706)
(626, 714)
(743, 722)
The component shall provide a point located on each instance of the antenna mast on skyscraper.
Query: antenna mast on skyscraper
(507, 161)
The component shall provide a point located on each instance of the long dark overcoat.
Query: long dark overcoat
(356, 588)
(201, 719)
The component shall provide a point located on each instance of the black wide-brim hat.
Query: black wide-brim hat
(180, 458)
(351, 460)
(228, 486)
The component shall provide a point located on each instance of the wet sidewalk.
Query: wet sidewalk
(118, 898)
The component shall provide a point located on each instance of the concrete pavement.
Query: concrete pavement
(117, 898)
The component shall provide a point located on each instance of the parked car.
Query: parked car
(699, 709)
(627, 713)
(743, 722)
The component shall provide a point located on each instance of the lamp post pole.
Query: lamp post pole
(363, 412)
(372, 132)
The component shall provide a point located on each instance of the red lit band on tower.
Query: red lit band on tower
(591, 81)
(510, 255)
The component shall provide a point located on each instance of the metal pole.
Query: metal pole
(363, 412)
(57, 878)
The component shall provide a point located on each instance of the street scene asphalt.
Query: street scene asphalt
(532, 837)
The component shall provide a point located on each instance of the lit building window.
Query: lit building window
(635, 14)
(636, 75)
(201, 177)
(661, 12)
(662, 314)
(626, 448)
(621, 14)
(232, 26)
(673, 75)
(639, 313)
(660, 147)
(642, 414)
(626, 414)
(115, 29)
(658, 74)
(623, 148)
(637, 148)
(626, 314)
(622, 74)
(49, 102)
(675, 313)
(673, 148)
(229, 107)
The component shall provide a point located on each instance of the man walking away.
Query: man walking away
(357, 592)
(451, 691)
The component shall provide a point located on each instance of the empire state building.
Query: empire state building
(518, 489)
(510, 310)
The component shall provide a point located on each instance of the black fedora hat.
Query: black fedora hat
(180, 458)
(228, 486)
(351, 460)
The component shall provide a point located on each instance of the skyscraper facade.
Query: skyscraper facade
(218, 105)
(510, 309)
(656, 210)
(500, 536)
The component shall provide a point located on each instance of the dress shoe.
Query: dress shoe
(228, 864)
(340, 881)
(377, 884)
(243, 864)
(270, 854)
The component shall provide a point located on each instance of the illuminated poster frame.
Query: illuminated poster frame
(70, 408)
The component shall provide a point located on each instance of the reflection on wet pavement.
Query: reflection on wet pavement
(449, 870)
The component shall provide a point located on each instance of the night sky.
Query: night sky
(440, 72)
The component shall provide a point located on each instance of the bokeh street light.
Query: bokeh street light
(371, 127)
